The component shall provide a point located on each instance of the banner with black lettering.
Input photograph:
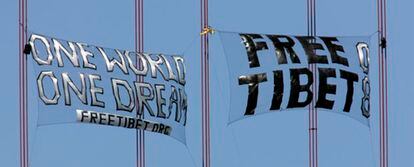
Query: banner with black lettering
(271, 73)
(78, 82)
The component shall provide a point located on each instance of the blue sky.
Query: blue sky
(278, 139)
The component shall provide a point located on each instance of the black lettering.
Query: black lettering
(310, 47)
(94, 116)
(334, 49)
(277, 90)
(102, 117)
(253, 82)
(119, 120)
(83, 115)
(282, 47)
(325, 88)
(161, 128)
(167, 130)
(146, 124)
(125, 121)
(155, 127)
(296, 87)
(252, 48)
(138, 123)
(110, 119)
(350, 78)
(131, 122)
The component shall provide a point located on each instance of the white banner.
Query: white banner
(78, 82)
(271, 73)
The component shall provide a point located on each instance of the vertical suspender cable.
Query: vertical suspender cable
(383, 81)
(207, 82)
(313, 112)
(139, 47)
(202, 84)
(205, 93)
(23, 115)
(310, 106)
(25, 86)
(20, 55)
(379, 81)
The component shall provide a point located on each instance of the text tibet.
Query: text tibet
(162, 100)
